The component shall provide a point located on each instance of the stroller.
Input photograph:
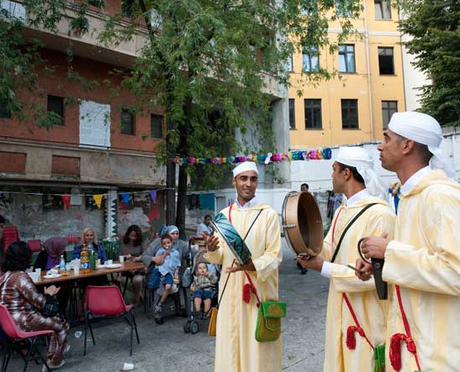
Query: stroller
(192, 325)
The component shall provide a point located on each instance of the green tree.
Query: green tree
(209, 63)
(435, 28)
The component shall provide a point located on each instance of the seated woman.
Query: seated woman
(25, 303)
(132, 248)
(88, 236)
(51, 257)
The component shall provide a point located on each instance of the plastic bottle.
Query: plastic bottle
(84, 260)
(62, 264)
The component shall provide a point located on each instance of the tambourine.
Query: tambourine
(302, 222)
(377, 266)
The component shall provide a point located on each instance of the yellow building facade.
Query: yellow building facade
(356, 104)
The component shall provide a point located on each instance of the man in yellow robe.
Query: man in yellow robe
(236, 347)
(351, 174)
(422, 263)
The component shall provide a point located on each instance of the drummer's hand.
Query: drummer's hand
(364, 270)
(248, 266)
(311, 262)
(374, 247)
(212, 242)
(52, 290)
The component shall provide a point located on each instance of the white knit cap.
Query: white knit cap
(244, 167)
(424, 129)
(359, 158)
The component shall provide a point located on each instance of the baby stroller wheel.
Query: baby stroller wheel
(194, 327)
(187, 326)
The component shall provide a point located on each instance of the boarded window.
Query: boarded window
(13, 162)
(64, 165)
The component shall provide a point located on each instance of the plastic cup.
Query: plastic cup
(67, 267)
(39, 272)
(109, 262)
(98, 262)
(128, 367)
(34, 276)
(122, 259)
(76, 270)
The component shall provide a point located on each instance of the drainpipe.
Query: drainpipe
(368, 66)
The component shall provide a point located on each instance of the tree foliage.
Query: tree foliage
(435, 28)
(209, 63)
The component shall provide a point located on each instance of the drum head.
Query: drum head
(302, 222)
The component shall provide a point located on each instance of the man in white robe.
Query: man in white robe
(236, 347)
(422, 263)
(352, 305)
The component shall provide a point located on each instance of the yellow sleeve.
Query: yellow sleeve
(434, 268)
(380, 221)
(272, 257)
(215, 257)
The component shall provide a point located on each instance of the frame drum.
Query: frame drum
(302, 222)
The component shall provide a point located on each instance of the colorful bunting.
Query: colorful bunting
(66, 201)
(153, 196)
(98, 200)
(125, 196)
(305, 155)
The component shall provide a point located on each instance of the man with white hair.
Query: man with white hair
(422, 263)
(355, 323)
(257, 223)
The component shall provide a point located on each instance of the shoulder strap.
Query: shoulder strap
(336, 252)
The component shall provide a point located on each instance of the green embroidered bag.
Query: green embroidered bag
(268, 326)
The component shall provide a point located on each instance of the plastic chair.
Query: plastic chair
(11, 329)
(10, 235)
(107, 301)
(35, 245)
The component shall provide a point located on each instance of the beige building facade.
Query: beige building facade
(356, 104)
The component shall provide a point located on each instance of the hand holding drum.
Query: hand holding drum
(302, 224)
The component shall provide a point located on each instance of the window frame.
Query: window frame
(345, 53)
(390, 111)
(313, 51)
(5, 112)
(50, 99)
(386, 48)
(381, 4)
(162, 118)
(292, 124)
(125, 111)
(349, 109)
(313, 104)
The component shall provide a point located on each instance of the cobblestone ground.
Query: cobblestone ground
(168, 348)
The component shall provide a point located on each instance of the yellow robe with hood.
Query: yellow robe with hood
(424, 260)
(236, 347)
(369, 310)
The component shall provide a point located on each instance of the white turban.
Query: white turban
(424, 129)
(359, 158)
(244, 167)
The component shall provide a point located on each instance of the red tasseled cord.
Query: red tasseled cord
(247, 293)
(351, 338)
(395, 350)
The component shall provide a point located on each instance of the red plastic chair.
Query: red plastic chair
(11, 329)
(35, 245)
(10, 235)
(107, 301)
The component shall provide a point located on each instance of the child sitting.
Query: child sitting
(169, 268)
(203, 289)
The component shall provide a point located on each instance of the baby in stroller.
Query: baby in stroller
(203, 290)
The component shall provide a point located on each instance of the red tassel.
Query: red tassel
(395, 350)
(351, 338)
(247, 293)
